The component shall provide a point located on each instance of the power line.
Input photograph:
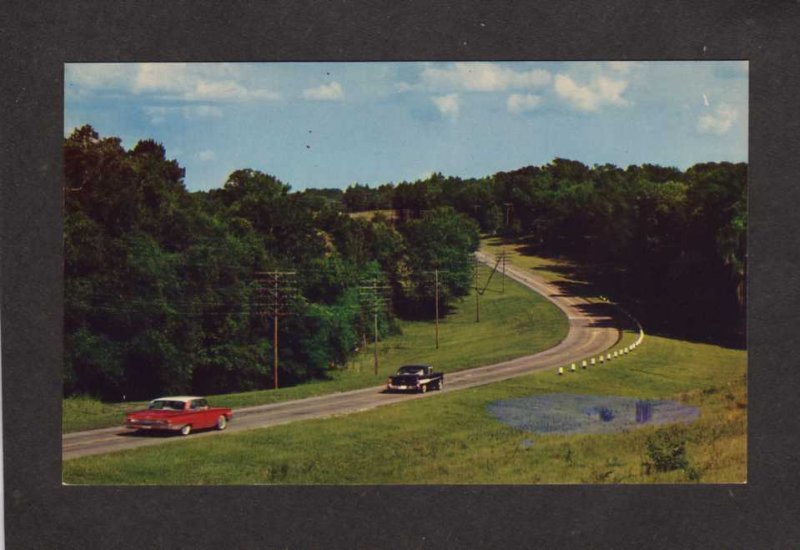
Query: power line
(436, 273)
(279, 289)
(369, 291)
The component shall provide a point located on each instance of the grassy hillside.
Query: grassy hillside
(450, 438)
(515, 323)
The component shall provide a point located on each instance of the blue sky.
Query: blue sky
(334, 124)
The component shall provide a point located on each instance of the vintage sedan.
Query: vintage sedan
(180, 414)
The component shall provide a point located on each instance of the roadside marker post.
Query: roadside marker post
(602, 358)
(583, 364)
(572, 368)
(591, 361)
(560, 371)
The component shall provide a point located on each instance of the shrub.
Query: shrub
(666, 449)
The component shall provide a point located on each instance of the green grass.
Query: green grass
(515, 323)
(449, 438)
(549, 269)
(546, 268)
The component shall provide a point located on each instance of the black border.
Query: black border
(38, 37)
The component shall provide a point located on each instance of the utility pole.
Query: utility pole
(509, 206)
(503, 259)
(477, 292)
(436, 301)
(278, 289)
(436, 273)
(375, 340)
(375, 302)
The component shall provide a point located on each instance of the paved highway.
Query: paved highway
(592, 329)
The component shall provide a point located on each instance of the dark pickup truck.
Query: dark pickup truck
(420, 378)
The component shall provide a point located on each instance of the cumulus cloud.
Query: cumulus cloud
(325, 92)
(481, 77)
(206, 155)
(718, 122)
(192, 83)
(448, 105)
(98, 75)
(601, 91)
(623, 67)
(201, 111)
(519, 103)
(157, 114)
(174, 81)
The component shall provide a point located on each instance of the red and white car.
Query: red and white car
(181, 413)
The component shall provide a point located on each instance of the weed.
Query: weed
(666, 449)
(692, 474)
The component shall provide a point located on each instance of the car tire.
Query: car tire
(186, 430)
(222, 422)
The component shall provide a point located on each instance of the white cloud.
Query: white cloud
(623, 67)
(201, 111)
(159, 114)
(99, 75)
(448, 105)
(206, 155)
(174, 81)
(162, 77)
(325, 92)
(226, 90)
(481, 77)
(518, 103)
(718, 122)
(156, 115)
(601, 91)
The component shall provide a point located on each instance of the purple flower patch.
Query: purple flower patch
(564, 413)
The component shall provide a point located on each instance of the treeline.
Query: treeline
(670, 244)
(162, 291)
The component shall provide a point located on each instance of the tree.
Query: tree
(443, 239)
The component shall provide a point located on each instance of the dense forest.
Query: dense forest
(164, 290)
(669, 244)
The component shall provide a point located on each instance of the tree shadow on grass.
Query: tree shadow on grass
(685, 318)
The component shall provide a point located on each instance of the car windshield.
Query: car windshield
(411, 369)
(166, 404)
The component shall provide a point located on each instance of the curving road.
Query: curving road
(592, 329)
